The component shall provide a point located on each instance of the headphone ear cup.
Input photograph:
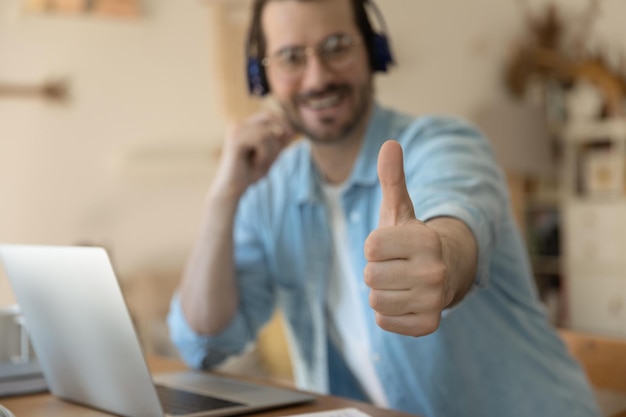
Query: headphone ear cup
(257, 84)
(382, 53)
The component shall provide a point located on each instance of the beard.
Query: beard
(362, 94)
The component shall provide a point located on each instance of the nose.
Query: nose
(316, 73)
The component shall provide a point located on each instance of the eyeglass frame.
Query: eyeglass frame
(308, 51)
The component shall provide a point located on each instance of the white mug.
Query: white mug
(14, 343)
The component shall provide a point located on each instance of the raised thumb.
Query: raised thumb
(396, 207)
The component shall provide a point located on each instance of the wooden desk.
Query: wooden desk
(46, 405)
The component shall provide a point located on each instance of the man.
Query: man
(412, 292)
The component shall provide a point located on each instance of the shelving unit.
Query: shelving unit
(593, 207)
(541, 209)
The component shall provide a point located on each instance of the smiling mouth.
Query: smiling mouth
(323, 100)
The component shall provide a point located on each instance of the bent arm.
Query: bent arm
(208, 291)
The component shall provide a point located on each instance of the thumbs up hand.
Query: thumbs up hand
(405, 264)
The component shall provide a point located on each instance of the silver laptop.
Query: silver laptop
(88, 350)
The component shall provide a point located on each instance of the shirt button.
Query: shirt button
(355, 217)
(375, 357)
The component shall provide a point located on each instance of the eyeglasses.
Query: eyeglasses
(335, 52)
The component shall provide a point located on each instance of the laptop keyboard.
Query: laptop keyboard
(178, 402)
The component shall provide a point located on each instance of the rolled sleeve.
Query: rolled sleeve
(201, 351)
(451, 171)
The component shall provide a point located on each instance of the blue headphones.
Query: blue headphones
(378, 47)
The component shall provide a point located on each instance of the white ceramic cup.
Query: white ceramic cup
(14, 344)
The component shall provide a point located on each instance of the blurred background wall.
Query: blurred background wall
(116, 164)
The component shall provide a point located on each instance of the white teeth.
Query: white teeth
(324, 103)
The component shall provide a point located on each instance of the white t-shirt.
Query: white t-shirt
(348, 330)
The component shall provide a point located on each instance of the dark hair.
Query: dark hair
(256, 46)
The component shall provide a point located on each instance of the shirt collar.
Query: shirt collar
(364, 172)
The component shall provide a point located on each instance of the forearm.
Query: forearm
(208, 290)
(460, 254)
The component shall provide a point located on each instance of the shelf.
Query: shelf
(106, 8)
(594, 199)
(583, 131)
(594, 165)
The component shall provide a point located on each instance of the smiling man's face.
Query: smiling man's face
(327, 96)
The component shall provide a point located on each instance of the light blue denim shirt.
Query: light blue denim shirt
(494, 354)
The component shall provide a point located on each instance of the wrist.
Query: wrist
(459, 253)
(450, 286)
(222, 198)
